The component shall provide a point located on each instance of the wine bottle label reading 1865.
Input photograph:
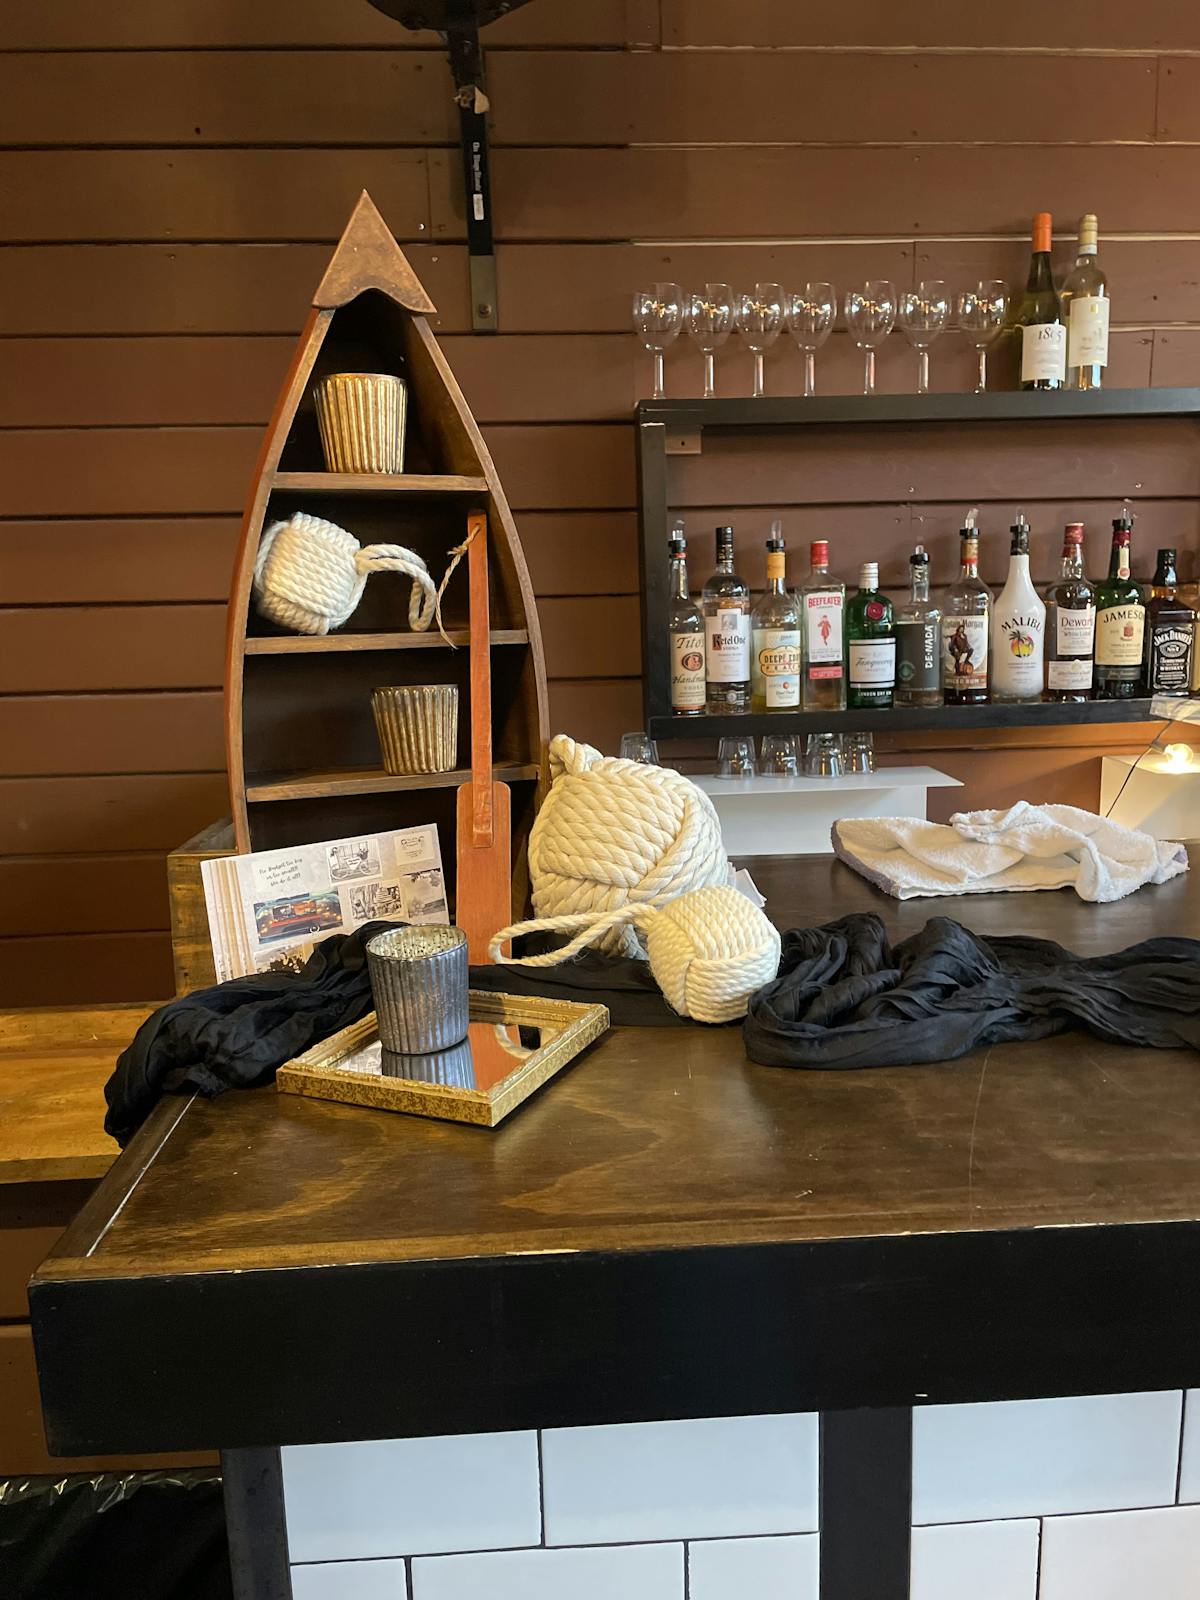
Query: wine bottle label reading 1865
(1043, 352)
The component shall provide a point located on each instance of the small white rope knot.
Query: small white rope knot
(709, 950)
(309, 575)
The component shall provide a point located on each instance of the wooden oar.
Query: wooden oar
(483, 897)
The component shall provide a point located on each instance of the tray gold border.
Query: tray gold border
(316, 1074)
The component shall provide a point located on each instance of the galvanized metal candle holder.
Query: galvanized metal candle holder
(419, 981)
(417, 726)
(361, 418)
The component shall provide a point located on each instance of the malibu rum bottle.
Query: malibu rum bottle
(686, 624)
(726, 605)
(1018, 628)
(1070, 624)
(966, 611)
(823, 606)
(775, 632)
(1120, 622)
(1170, 632)
(870, 644)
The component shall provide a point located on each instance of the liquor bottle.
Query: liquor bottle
(725, 601)
(1190, 594)
(1070, 624)
(1039, 318)
(1170, 632)
(823, 605)
(870, 644)
(966, 612)
(918, 639)
(687, 635)
(1120, 623)
(1018, 628)
(1086, 306)
(775, 629)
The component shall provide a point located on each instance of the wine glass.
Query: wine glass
(811, 315)
(658, 317)
(923, 314)
(710, 319)
(981, 314)
(870, 317)
(759, 319)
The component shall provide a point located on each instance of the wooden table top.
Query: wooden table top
(665, 1175)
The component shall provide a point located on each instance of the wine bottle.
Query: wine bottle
(775, 627)
(918, 639)
(1070, 624)
(823, 604)
(870, 644)
(966, 611)
(1086, 307)
(1170, 632)
(1039, 317)
(1120, 622)
(686, 626)
(1018, 628)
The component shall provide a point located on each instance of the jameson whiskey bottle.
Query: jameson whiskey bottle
(1018, 627)
(870, 644)
(823, 605)
(775, 636)
(965, 616)
(686, 625)
(1070, 624)
(1170, 632)
(725, 602)
(918, 639)
(1120, 623)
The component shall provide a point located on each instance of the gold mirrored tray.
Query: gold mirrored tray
(515, 1044)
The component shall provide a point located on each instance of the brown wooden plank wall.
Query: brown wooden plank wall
(174, 174)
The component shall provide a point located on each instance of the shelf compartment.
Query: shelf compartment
(901, 719)
(369, 780)
(328, 643)
(427, 485)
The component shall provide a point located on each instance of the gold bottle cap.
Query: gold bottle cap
(1089, 232)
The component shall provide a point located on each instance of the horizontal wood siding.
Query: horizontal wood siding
(175, 174)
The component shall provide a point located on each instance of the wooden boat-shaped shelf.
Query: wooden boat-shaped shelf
(304, 761)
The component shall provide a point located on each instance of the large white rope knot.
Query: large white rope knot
(309, 575)
(614, 832)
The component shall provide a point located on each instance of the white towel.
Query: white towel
(1025, 847)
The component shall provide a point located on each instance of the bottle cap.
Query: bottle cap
(919, 557)
(1122, 524)
(775, 545)
(868, 575)
(1073, 533)
(724, 536)
(1089, 233)
(1166, 558)
(1042, 223)
(971, 522)
(677, 547)
(819, 552)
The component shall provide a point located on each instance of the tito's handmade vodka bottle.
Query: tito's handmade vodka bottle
(687, 635)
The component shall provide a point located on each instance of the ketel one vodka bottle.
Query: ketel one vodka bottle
(1170, 632)
(1120, 623)
(918, 639)
(823, 608)
(870, 644)
(687, 635)
(1070, 624)
(1018, 627)
(775, 639)
(965, 614)
(726, 606)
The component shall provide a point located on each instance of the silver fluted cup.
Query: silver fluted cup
(453, 1068)
(417, 726)
(420, 985)
(361, 419)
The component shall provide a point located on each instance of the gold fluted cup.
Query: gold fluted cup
(417, 726)
(361, 418)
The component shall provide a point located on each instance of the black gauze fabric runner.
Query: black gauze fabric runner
(846, 997)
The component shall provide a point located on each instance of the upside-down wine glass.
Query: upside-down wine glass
(923, 314)
(981, 314)
(759, 319)
(710, 319)
(811, 315)
(870, 317)
(658, 317)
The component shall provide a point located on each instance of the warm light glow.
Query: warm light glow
(1180, 757)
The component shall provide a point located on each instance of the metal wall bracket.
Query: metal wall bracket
(466, 62)
(684, 443)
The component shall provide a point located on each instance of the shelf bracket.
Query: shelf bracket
(466, 63)
(684, 441)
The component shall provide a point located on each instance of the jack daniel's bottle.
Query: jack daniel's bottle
(1170, 632)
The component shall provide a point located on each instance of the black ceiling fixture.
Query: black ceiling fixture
(460, 22)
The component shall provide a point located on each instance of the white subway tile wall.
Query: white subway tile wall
(351, 1580)
(1028, 1458)
(678, 1480)
(985, 1560)
(400, 1497)
(1131, 1555)
(755, 1569)
(1189, 1467)
(630, 1572)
